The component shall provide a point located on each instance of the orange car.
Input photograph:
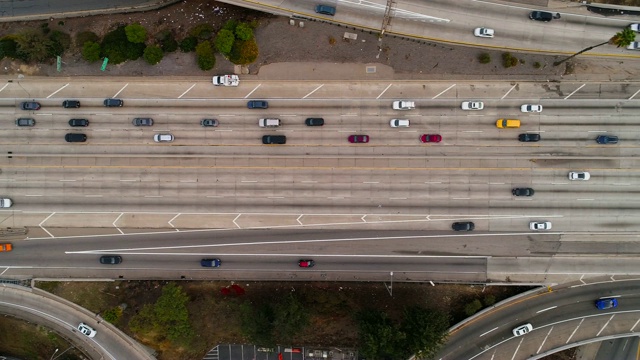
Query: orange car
(6, 247)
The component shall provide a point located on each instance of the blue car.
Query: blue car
(210, 262)
(325, 10)
(607, 139)
(257, 104)
(607, 303)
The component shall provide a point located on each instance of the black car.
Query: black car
(78, 122)
(314, 122)
(541, 16)
(463, 226)
(142, 122)
(25, 122)
(110, 259)
(209, 122)
(325, 10)
(74, 137)
(30, 105)
(607, 139)
(522, 192)
(113, 103)
(70, 104)
(274, 139)
(210, 262)
(529, 137)
(257, 104)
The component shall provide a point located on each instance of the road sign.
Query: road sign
(59, 63)
(104, 64)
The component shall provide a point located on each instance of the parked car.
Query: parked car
(326, 10)
(6, 203)
(226, 80)
(257, 104)
(579, 175)
(75, 137)
(314, 122)
(78, 122)
(6, 247)
(162, 138)
(30, 105)
(472, 105)
(522, 192)
(430, 138)
(541, 16)
(543, 225)
(110, 259)
(529, 137)
(484, 32)
(531, 108)
(113, 103)
(306, 263)
(142, 122)
(607, 139)
(210, 262)
(87, 330)
(25, 122)
(634, 46)
(399, 123)
(274, 139)
(522, 329)
(209, 122)
(606, 303)
(358, 139)
(634, 27)
(463, 226)
(71, 104)
(403, 105)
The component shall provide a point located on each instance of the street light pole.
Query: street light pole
(54, 353)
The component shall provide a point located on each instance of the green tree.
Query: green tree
(472, 307)
(205, 57)
(244, 52)
(60, 42)
(84, 36)
(230, 25)
(202, 31)
(244, 31)
(224, 41)
(32, 45)
(153, 54)
(291, 318)
(379, 338)
(136, 33)
(8, 47)
(424, 331)
(256, 323)
(188, 44)
(168, 41)
(116, 46)
(620, 39)
(91, 51)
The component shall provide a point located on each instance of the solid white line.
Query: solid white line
(55, 92)
(314, 90)
(8, 180)
(385, 90)
(444, 91)
(433, 182)
(574, 331)
(7, 84)
(309, 181)
(33, 195)
(187, 181)
(462, 198)
(275, 197)
(517, 348)
(621, 184)
(67, 180)
(397, 198)
(496, 183)
(249, 181)
(547, 309)
(186, 91)
(153, 196)
(632, 96)
(93, 195)
(576, 90)
(483, 334)
(585, 199)
(128, 180)
(510, 90)
(636, 324)
(545, 340)
(473, 131)
(121, 90)
(252, 91)
(597, 131)
(371, 182)
(605, 325)
(214, 196)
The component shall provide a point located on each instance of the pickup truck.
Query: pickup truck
(226, 80)
(403, 105)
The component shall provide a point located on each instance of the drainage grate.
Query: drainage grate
(371, 69)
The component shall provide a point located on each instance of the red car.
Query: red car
(354, 139)
(427, 138)
(306, 263)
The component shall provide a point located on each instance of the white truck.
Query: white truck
(403, 105)
(226, 80)
(269, 122)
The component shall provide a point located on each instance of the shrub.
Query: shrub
(205, 57)
(168, 42)
(136, 33)
(188, 44)
(244, 31)
(8, 47)
(230, 25)
(472, 307)
(224, 41)
(118, 49)
(489, 300)
(509, 60)
(45, 28)
(153, 54)
(60, 42)
(91, 51)
(332, 40)
(537, 65)
(202, 31)
(61, 23)
(484, 58)
(244, 52)
(112, 315)
(84, 36)
(32, 46)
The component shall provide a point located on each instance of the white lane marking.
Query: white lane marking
(636, 324)
(371, 182)
(7, 84)
(574, 331)
(585, 199)
(483, 334)
(510, 90)
(605, 325)
(547, 309)
(249, 181)
(186, 91)
(115, 221)
(234, 221)
(252, 91)
(314, 90)
(173, 218)
(57, 91)
(576, 90)
(632, 96)
(33, 195)
(397, 198)
(187, 181)
(128, 180)
(214, 196)
(387, 88)
(621, 184)
(444, 91)
(465, 198)
(298, 219)
(275, 197)
(43, 221)
(433, 182)
(517, 348)
(153, 196)
(545, 340)
(93, 195)
(121, 90)
(66, 180)
(472, 131)
(597, 131)
(496, 183)
(559, 183)
(309, 181)
(409, 131)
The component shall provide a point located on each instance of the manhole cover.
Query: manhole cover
(371, 69)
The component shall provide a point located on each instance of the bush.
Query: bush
(202, 31)
(45, 28)
(84, 36)
(472, 307)
(244, 52)
(61, 23)
(509, 60)
(332, 40)
(112, 315)
(168, 42)
(91, 51)
(244, 31)
(32, 46)
(537, 65)
(484, 58)
(153, 54)
(489, 300)
(60, 42)
(230, 25)
(118, 49)
(8, 48)
(224, 41)
(188, 44)
(136, 33)
(205, 57)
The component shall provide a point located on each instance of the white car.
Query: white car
(403, 105)
(634, 46)
(522, 329)
(163, 138)
(472, 105)
(634, 27)
(5, 203)
(399, 123)
(226, 80)
(483, 32)
(87, 330)
(544, 225)
(579, 175)
(530, 108)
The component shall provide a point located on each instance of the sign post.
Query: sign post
(104, 64)
(59, 63)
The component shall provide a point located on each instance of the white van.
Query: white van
(269, 122)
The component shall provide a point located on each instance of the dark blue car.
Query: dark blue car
(325, 10)
(257, 104)
(607, 139)
(608, 303)
(210, 262)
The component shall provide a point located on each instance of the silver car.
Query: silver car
(472, 105)
(543, 225)
(162, 138)
(522, 329)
